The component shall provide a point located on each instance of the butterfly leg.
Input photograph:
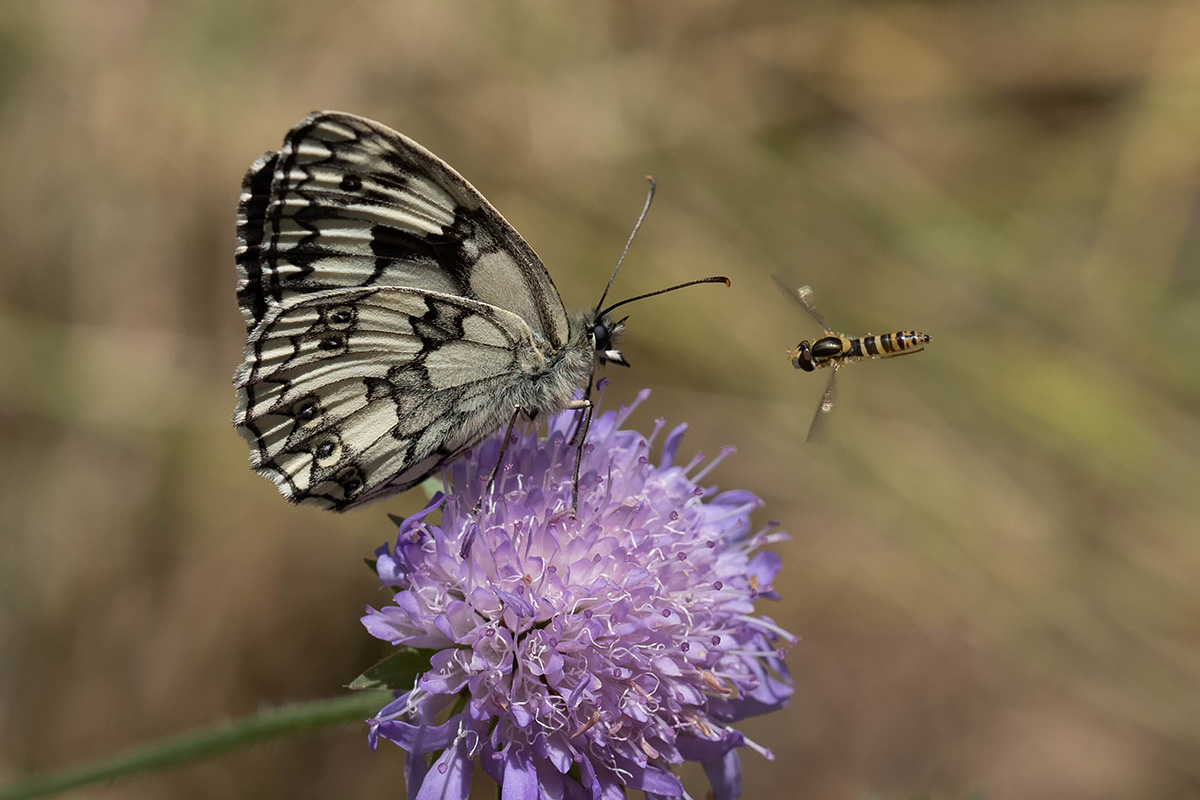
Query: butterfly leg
(587, 407)
(587, 398)
(517, 410)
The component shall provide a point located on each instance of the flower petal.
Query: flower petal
(450, 776)
(520, 776)
(765, 566)
(671, 445)
(550, 782)
(725, 776)
(420, 738)
(449, 671)
(648, 779)
(416, 767)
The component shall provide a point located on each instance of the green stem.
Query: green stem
(205, 742)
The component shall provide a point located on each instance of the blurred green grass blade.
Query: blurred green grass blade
(206, 742)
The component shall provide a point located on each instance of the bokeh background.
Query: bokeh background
(993, 562)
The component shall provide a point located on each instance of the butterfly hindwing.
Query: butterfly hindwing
(348, 202)
(348, 394)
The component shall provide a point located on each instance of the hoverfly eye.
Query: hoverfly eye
(804, 357)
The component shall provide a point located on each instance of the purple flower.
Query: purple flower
(577, 656)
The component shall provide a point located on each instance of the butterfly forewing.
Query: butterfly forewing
(348, 202)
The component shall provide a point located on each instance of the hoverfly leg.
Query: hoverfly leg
(904, 353)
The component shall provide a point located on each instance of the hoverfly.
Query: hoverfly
(835, 350)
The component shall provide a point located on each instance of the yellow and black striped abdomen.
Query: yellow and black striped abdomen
(889, 344)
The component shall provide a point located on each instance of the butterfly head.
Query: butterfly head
(604, 331)
(604, 336)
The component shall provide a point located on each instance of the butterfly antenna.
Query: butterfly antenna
(636, 225)
(714, 279)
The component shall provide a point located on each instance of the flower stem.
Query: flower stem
(205, 742)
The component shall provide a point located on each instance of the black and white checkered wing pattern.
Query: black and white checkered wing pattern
(393, 317)
(347, 395)
(348, 202)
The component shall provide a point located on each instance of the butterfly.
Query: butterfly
(393, 317)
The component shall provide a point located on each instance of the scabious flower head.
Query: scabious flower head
(575, 656)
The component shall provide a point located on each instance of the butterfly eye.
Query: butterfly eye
(600, 336)
(306, 410)
(351, 183)
(331, 342)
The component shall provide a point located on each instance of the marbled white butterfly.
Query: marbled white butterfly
(393, 317)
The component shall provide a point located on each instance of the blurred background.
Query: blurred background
(993, 561)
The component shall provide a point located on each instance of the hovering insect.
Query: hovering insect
(835, 350)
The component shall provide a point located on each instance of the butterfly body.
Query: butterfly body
(393, 317)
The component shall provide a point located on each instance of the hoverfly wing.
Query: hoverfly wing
(819, 429)
(803, 297)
